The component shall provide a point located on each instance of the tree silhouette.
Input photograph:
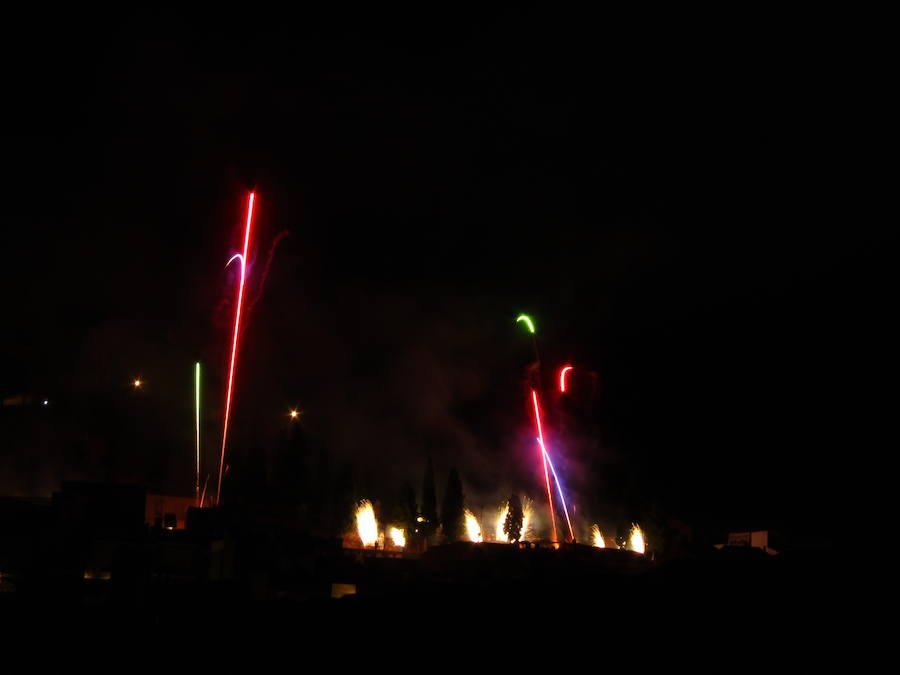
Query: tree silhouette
(512, 526)
(429, 500)
(408, 508)
(453, 509)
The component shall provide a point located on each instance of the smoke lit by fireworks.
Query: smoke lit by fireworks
(473, 529)
(265, 272)
(597, 537)
(636, 540)
(366, 526)
(397, 537)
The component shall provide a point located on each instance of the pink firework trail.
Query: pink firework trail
(234, 341)
(265, 272)
(537, 422)
(545, 458)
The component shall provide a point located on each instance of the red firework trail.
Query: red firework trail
(203, 494)
(562, 378)
(540, 431)
(234, 342)
(265, 273)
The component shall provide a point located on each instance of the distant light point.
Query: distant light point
(137, 384)
(294, 414)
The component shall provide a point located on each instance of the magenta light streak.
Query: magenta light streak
(234, 341)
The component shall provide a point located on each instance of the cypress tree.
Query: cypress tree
(429, 500)
(512, 526)
(453, 509)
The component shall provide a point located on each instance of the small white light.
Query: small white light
(46, 402)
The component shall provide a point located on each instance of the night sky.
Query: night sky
(672, 204)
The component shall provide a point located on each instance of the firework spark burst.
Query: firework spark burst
(636, 539)
(366, 525)
(597, 537)
(398, 537)
(473, 529)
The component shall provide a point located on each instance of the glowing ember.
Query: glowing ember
(636, 541)
(397, 537)
(597, 537)
(366, 526)
(473, 529)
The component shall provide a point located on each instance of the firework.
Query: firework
(366, 525)
(527, 321)
(543, 455)
(636, 539)
(559, 489)
(234, 341)
(597, 537)
(473, 529)
(562, 378)
(203, 493)
(499, 534)
(397, 537)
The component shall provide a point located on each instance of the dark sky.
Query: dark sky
(668, 197)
